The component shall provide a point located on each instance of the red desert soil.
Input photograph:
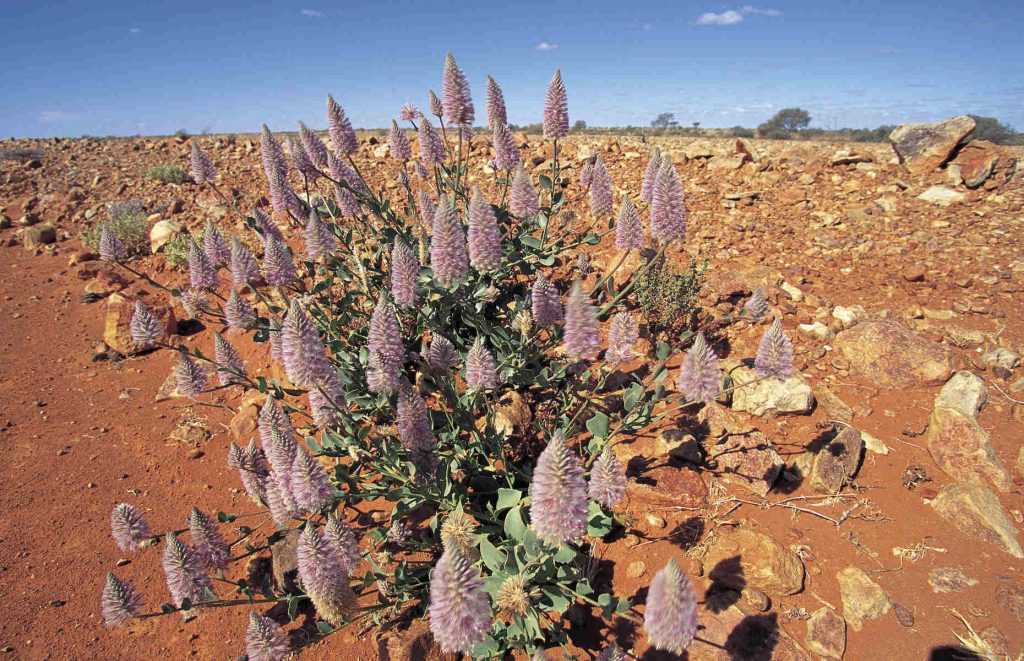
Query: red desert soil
(79, 436)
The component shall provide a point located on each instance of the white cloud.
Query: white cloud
(648, 27)
(134, 30)
(729, 17)
(312, 13)
(748, 9)
(545, 45)
(58, 117)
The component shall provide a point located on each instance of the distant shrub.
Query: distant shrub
(774, 133)
(168, 174)
(183, 134)
(20, 154)
(740, 132)
(127, 222)
(667, 296)
(991, 129)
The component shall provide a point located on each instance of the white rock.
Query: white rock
(817, 330)
(1002, 357)
(769, 397)
(793, 291)
(965, 392)
(162, 233)
(941, 196)
(874, 444)
(851, 316)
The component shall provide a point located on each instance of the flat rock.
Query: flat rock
(746, 557)
(749, 460)
(117, 324)
(721, 422)
(1002, 357)
(664, 486)
(38, 236)
(863, 599)
(733, 635)
(892, 356)
(837, 463)
(980, 161)
(836, 408)
(1011, 597)
(924, 147)
(162, 233)
(941, 196)
(966, 392)
(962, 449)
(770, 397)
(874, 444)
(826, 633)
(945, 580)
(977, 512)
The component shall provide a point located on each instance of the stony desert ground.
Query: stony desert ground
(866, 509)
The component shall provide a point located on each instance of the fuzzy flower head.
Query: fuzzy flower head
(209, 544)
(405, 270)
(110, 247)
(484, 237)
(448, 245)
(273, 422)
(512, 599)
(264, 640)
(238, 312)
(323, 575)
(252, 468)
(582, 340)
(265, 226)
(558, 493)
(523, 199)
(189, 376)
(607, 479)
(339, 129)
(320, 240)
(145, 328)
(413, 422)
(430, 145)
(129, 529)
(384, 341)
(301, 160)
(201, 167)
(459, 530)
(546, 303)
(421, 171)
(481, 370)
(756, 306)
(671, 614)
(700, 378)
(408, 112)
(622, 337)
(120, 602)
(774, 358)
(214, 245)
(587, 173)
(302, 350)
(612, 653)
(278, 265)
(325, 400)
(344, 541)
(186, 578)
(556, 109)
(275, 167)
(441, 356)
(310, 486)
(600, 190)
(425, 207)
(629, 230)
(230, 366)
(195, 302)
(398, 143)
(202, 274)
(460, 612)
(668, 205)
(496, 113)
(436, 107)
(314, 147)
(506, 153)
(650, 174)
(243, 266)
(457, 103)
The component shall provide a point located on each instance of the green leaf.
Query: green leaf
(224, 517)
(531, 242)
(293, 607)
(492, 557)
(324, 627)
(663, 350)
(599, 523)
(545, 182)
(508, 498)
(632, 396)
(598, 425)
(514, 526)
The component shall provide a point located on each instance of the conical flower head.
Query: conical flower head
(252, 468)
(458, 102)
(189, 376)
(339, 129)
(587, 173)
(460, 612)
(230, 366)
(671, 614)
(195, 302)
(546, 302)
(582, 340)
(441, 356)
(558, 494)
(310, 486)
(275, 167)
(481, 370)
(201, 167)
(398, 143)
(120, 601)
(184, 572)
(244, 269)
(129, 528)
(607, 479)
(495, 104)
(622, 337)
(302, 350)
(425, 207)
(405, 269)
(556, 109)
(408, 112)
(214, 245)
(322, 400)
(431, 147)
(320, 240)
(264, 640)
(110, 247)
(301, 160)
(346, 199)
(266, 226)
(344, 541)
(145, 328)
(668, 205)
(279, 499)
(421, 171)
(774, 358)
(650, 174)
(238, 312)
(273, 420)
(600, 190)
(413, 423)
(278, 265)
(700, 378)
(629, 230)
(384, 340)
(448, 245)
(523, 198)
(483, 237)
(506, 153)
(323, 576)
(202, 274)
(210, 546)
(314, 147)
(756, 306)
(436, 107)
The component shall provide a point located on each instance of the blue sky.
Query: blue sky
(120, 68)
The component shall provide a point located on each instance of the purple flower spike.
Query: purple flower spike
(421, 171)
(774, 358)
(558, 493)
(523, 200)
(145, 329)
(448, 245)
(431, 147)
(323, 399)
(481, 370)
(266, 226)
(209, 544)
(273, 418)
(310, 486)
(629, 230)
(189, 376)
(252, 468)
(408, 112)
(556, 109)
(414, 429)
(202, 274)
(495, 104)
(110, 247)
(238, 312)
(195, 301)
(700, 378)
(281, 450)
(425, 207)
(129, 528)
(323, 576)
(244, 269)
(320, 240)
(458, 103)
(600, 190)
(339, 129)
(230, 366)
(120, 602)
(582, 340)
(214, 245)
(607, 479)
(344, 540)
(756, 306)
(278, 265)
(301, 160)
(201, 169)
(650, 174)
(279, 501)
(506, 153)
(184, 572)
(305, 362)
(275, 167)
(622, 337)
(314, 147)
(671, 615)
(264, 640)
(441, 356)
(405, 269)
(546, 304)
(460, 612)
(384, 341)
(399, 144)
(483, 237)
(668, 205)
(436, 107)
(587, 173)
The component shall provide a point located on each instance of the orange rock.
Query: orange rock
(981, 160)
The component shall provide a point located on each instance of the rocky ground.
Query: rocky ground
(867, 508)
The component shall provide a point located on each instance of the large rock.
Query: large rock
(770, 397)
(837, 463)
(826, 633)
(162, 233)
(747, 558)
(980, 161)
(976, 511)
(663, 486)
(941, 196)
(749, 460)
(863, 599)
(405, 643)
(892, 356)
(732, 635)
(925, 147)
(117, 325)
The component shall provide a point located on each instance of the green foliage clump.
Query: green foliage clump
(667, 296)
(991, 129)
(168, 174)
(127, 222)
(176, 250)
(788, 120)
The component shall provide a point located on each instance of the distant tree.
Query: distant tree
(579, 125)
(991, 129)
(666, 120)
(696, 125)
(787, 119)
